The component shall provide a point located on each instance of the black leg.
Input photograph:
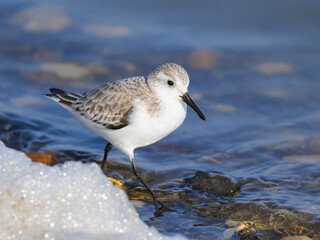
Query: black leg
(156, 199)
(105, 156)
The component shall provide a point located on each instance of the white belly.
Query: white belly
(144, 129)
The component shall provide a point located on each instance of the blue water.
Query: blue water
(260, 97)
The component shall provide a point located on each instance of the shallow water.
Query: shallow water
(254, 72)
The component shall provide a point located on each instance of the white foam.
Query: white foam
(72, 201)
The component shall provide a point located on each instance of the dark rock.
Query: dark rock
(216, 182)
(247, 232)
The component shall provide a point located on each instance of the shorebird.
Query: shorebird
(133, 112)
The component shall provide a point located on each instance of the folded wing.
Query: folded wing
(108, 105)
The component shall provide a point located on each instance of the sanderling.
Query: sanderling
(133, 112)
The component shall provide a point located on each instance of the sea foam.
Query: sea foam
(70, 201)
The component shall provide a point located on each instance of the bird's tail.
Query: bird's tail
(62, 97)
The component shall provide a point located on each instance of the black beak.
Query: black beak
(187, 99)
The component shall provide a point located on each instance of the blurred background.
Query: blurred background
(254, 71)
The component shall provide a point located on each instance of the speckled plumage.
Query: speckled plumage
(172, 71)
(110, 104)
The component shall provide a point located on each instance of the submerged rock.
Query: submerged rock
(216, 182)
(202, 59)
(42, 18)
(296, 238)
(274, 68)
(106, 31)
(257, 221)
(246, 230)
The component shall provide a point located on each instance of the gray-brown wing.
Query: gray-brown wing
(108, 105)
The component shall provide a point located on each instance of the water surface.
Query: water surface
(254, 70)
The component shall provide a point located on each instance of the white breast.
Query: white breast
(145, 129)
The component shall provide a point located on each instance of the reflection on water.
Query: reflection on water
(254, 72)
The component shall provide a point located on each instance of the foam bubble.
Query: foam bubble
(71, 201)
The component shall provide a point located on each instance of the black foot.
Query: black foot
(156, 199)
(165, 207)
(162, 209)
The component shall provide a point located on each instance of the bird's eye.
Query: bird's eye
(170, 83)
